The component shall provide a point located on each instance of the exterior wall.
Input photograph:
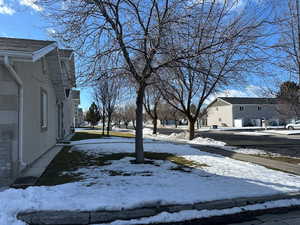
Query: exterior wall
(219, 113)
(250, 112)
(68, 114)
(36, 140)
(9, 92)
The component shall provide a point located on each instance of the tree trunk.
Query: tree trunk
(192, 129)
(103, 125)
(133, 124)
(154, 126)
(175, 123)
(108, 124)
(139, 148)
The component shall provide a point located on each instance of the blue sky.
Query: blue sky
(22, 19)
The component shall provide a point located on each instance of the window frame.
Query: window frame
(44, 110)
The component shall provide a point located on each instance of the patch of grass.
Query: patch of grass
(68, 160)
(96, 134)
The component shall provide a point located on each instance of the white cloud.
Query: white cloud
(32, 4)
(5, 9)
(50, 30)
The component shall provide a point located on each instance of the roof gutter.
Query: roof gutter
(19, 81)
(27, 56)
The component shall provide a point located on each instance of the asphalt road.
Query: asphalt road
(287, 145)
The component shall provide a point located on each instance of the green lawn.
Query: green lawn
(95, 134)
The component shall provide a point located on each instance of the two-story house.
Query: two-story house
(240, 111)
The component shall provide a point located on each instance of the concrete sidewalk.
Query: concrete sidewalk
(269, 163)
(287, 218)
(281, 216)
(31, 174)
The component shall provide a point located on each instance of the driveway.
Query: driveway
(282, 144)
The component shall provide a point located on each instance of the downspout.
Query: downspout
(17, 78)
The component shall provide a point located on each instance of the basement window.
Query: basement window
(44, 109)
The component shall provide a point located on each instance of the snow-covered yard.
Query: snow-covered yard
(122, 184)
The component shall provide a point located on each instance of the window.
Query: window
(258, 108)
(44, 109)
(242, 108)
(220, 119)
(217, 109)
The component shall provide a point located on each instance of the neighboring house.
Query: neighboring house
(78, 113)
(238, 112)
(36, 109)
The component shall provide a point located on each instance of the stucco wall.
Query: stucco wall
(8, 126)
(220, 113)
(35, 140)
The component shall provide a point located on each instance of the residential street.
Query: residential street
(282, 144)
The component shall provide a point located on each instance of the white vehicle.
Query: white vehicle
(292, 126)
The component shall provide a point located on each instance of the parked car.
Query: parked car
(292, 126)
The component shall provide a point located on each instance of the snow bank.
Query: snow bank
(284, 132)
(206, 141)
(186, 215)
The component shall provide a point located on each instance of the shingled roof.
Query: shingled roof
(24, 45)
(243, 100)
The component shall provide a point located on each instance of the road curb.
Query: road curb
(93, 217)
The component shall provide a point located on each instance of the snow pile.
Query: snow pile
(253, 133)
(250, 151)
(186, 215)
(182, 135)
(206, 141)
(147, 131)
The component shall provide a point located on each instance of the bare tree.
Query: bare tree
(151, 102)
(235, 39)
(107, 92)
(115, 33)
(288, 21)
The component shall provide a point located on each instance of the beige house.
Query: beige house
(239, 112)
(36, 108)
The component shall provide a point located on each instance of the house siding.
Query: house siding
(35, 140)
(9, 92)
(268, 111)
(219, 110)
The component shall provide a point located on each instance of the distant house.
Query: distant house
(78, 113)
(36, 108)
(238, 112)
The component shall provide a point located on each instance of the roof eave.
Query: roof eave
(29, 56)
